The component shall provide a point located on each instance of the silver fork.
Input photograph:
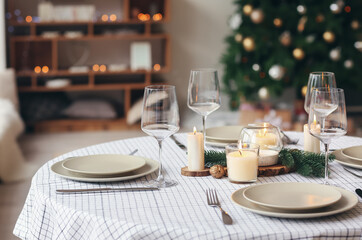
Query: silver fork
(213, 201)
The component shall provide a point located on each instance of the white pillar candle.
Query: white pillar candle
(195, 151)
(242, 166)
(311, 143)
(265, 139)
(268, 157)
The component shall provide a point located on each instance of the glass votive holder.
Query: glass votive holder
(268, 137)
(242, 162)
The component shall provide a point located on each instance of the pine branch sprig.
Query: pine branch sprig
(304, 163)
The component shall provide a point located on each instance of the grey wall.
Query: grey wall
(197, 29)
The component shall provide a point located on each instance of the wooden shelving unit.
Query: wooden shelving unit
(32, 41)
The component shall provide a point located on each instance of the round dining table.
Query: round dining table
(179, 212)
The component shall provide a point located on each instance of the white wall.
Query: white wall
(198, 29)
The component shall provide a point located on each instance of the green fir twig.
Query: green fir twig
(304, 163)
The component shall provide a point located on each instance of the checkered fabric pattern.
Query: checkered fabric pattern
(178, 212)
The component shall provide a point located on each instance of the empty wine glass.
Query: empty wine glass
(160, 119)
(327, 118)
(318, 80)
(204, 93)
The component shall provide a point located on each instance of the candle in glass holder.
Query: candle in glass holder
(242, 164)
(268, 157)
(195, 151)
(311, 143)
(264, 138)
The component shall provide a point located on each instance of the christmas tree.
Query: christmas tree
(277, 43)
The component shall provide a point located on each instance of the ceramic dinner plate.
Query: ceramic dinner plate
(103, 164)
(347, 202)
(225, 133)
(354, 153)
(292, 195)
(148, 168)
(346, 161)
(216, 143)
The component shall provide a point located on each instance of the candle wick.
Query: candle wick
(241, 153)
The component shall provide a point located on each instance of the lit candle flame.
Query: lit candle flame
(265, 130)
(194, 130)
(315, 120)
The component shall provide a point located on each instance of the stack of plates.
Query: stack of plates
(351, 157)
(222, 136)
(294, 200)
(104, 168)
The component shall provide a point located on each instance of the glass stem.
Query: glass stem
(323, 123)
(204, 127)
(160, 177)
(326, 146)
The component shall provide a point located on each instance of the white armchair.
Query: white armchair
(13, 167)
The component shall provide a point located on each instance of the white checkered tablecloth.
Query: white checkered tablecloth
(178, 212)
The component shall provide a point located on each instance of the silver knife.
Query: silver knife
(178, 143)
(104, 190)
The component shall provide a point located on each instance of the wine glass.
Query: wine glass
(318, 80)
(203, 93)
(160, 119)
(327, 118)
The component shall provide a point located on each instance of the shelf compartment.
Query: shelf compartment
(28, 55)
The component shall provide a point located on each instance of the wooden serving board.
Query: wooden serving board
(266, 171)
(186, 172)
(273, 170)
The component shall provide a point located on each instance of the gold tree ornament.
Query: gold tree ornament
(238, 38)
(247, 9)
(257, 16)
(285, 38)
(278, 22)
(249, 44)
(355, 24)
(217, 171)
(329, 36)
(298, 53)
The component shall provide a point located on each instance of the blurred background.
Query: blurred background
(72, 72)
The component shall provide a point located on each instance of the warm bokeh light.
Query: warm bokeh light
(141, 17)
(157, 17)
(28, 19)
(157, 67)
(347, 9)
(95, 67)
(304, 91)
(103, 68)
(37, 69)
(113, 17)
(104, 17)
(147, 17)
(45, 69)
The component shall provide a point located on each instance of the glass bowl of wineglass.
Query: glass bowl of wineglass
(330, 121)
(318, 80)
(160, 119)
(204, 93)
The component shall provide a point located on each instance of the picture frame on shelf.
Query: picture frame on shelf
(141, 56)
